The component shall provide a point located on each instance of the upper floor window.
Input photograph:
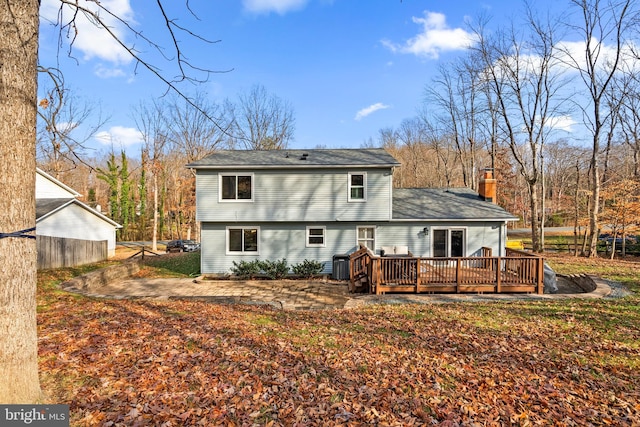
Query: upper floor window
(357, 186)
(236, 187)
(316, 236)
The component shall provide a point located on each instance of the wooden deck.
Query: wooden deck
(517, 272)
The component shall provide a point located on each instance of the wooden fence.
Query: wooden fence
(57, 252)
(571, 248)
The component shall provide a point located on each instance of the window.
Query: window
(448, 242)
(357, 186)
(242, 240)
(236, 187)
(366, 237)
(316, 236)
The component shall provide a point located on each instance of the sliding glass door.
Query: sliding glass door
(448, 242)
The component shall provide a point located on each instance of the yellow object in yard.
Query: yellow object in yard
(515, 244)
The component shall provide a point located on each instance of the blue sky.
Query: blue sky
(347, 68)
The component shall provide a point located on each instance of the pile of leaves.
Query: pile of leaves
(175, 363)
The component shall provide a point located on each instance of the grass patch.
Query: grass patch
(262, 320)
(624, 271)
(48, 282)
(176, 265)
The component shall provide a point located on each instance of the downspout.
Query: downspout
(391, 194)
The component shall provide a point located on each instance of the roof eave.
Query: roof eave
(309, 166)
(455, 219)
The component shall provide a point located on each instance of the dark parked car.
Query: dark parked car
(608, 239)
(182, 246)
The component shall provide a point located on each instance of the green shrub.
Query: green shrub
(246, 269)
(307, 268)
(274, 269)
(558, 219)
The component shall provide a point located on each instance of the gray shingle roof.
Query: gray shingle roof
(227, 159)
(453, 204)
(44, 206)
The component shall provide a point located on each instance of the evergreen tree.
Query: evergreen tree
(127, 205)
(142, 205)
(111, 177)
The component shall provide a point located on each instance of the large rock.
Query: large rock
(550, 280)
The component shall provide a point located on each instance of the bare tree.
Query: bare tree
(603, 27)
(521, 72)
(630, 121)
(190, 129)
(61, 115)
(456, 90)
(18, 93)
(444, 151)
(262, 121)
(151, 122)
(411, 135)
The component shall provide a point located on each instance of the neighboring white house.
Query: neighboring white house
(60, 214)
(316, 204)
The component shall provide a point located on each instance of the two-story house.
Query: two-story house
(314, 204)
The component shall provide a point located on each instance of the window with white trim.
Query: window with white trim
(243, 240)
(367, 237)
(236, 187)
(448, 242)
(316, 236)
(357, 186)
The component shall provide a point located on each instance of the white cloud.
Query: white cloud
(436, 37)
(105, 72)
(119, 136)
(66, 127)
(369, 110)
(278, 6)
(572, 54)
(564, 123)
(91, 40)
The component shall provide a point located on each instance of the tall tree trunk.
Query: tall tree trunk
(154, 243)
(576, 211)
(536, 239)
(18, 88)
(594, 225)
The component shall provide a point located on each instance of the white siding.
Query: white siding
(47, 189)
(277, 241)
(76, 222)
(298, 195)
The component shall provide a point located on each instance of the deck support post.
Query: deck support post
(498, 275)
(540, 275)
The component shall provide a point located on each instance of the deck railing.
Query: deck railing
(517, 272)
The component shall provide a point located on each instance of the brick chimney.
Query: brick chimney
(487, 186)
